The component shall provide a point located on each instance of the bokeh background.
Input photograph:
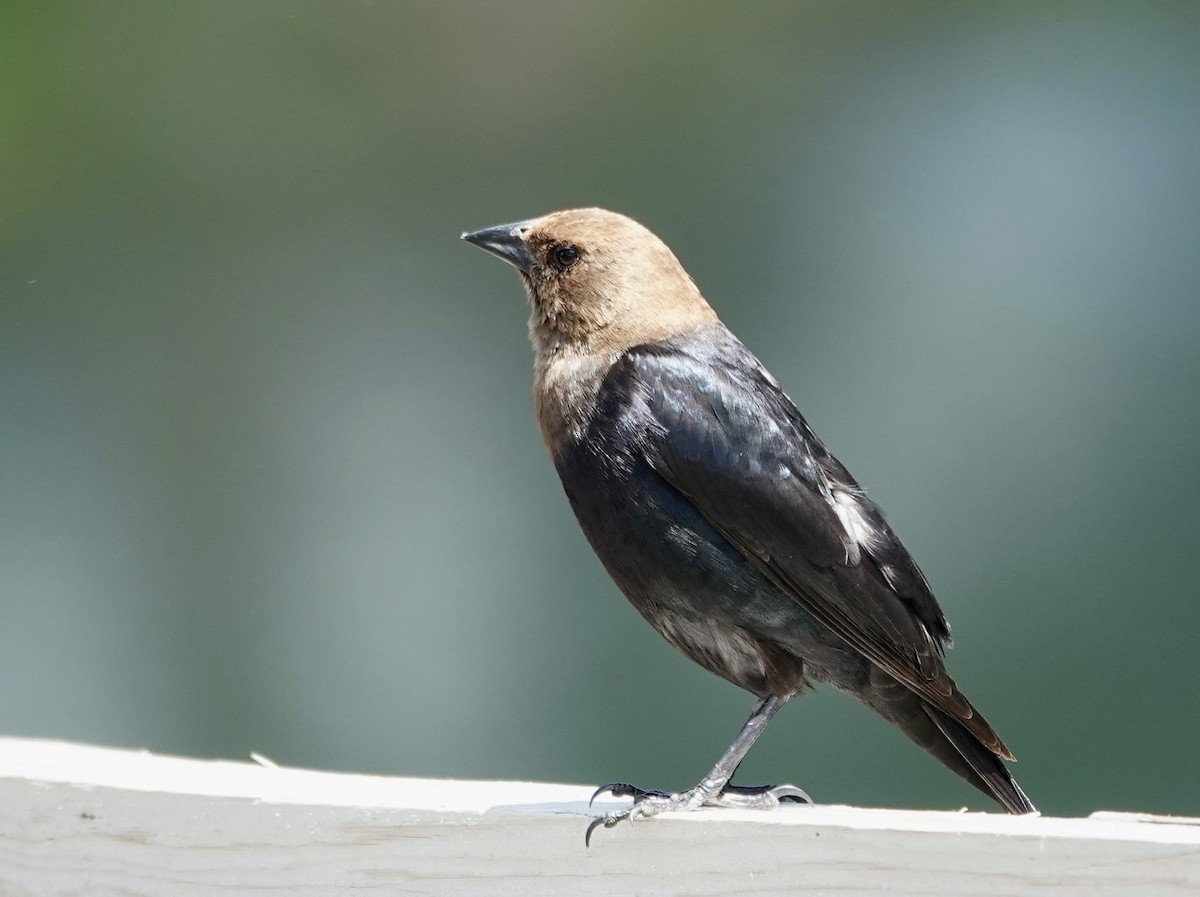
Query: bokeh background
(269, 477)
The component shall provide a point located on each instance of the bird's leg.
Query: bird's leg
(714, 789)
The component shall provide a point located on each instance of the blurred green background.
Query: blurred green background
(269, 477)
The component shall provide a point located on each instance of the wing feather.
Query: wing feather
(728, 439)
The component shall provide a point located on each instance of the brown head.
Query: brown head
(598, 282)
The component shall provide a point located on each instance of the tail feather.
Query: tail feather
(956, 743)
(984, 769)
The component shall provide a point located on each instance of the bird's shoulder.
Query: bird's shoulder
(718, 426)
(705, 398)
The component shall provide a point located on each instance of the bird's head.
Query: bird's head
(598, 282)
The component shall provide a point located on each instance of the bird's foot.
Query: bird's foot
(648, 804)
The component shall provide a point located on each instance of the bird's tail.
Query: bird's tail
(953, 744)
(963, 752)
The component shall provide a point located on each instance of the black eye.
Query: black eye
(565, 257)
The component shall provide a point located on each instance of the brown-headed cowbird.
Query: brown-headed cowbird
(718, 512)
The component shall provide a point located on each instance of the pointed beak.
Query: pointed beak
(506, 241)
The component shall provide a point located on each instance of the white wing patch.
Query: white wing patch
(857, 524)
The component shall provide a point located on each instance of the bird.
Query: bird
(717, 511)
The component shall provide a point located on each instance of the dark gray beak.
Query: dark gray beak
(507, 241)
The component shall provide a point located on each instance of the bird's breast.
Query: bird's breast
(565, 391)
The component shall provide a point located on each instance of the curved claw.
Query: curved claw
(611, 787)
(608, 820)
(624, 789)
(587, 836)
(791, 793)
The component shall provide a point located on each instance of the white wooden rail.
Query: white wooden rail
(83, 820)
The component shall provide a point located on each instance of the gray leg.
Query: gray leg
(714, 789)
